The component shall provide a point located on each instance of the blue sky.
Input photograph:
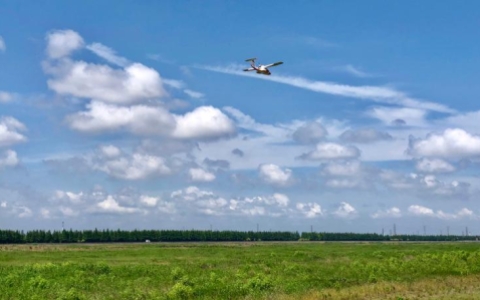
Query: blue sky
(138, 115)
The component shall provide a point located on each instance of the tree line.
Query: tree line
(124, 236)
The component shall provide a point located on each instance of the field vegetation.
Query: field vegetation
(241, 270)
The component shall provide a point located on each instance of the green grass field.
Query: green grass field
(250, 270)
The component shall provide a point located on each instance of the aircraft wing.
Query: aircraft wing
(249, 69)
(274, 64)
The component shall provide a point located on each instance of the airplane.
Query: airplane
(261, 69)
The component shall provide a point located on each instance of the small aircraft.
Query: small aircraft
(261, 69)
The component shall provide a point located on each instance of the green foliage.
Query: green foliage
(244, 270)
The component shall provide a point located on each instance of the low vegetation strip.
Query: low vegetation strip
(239, 270)
(122, 236)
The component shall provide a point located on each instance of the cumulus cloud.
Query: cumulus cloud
(68, 197)
(422, 211)
(110, 151)
(344, 183)
(61, 43)
(149, 201)
(132, 84)
(98, 201)
(396, 116)
(434, 165)
(205, 122)
(310, 133)
(348, 168)
(138, 119)
(10, 129)
(452, 143)
(134, 167)
(3, 46)
(110, 205)
(8, 159)
(274, 175)
(425, 185)
(393, 212)
(205, 202)
(199, 174)
(310, 210)
(345, 211)
(325, 151)
(363, 136)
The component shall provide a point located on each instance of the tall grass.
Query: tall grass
(227, 270)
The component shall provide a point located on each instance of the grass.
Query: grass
(294, 270)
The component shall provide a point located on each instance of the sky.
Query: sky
(138, 115)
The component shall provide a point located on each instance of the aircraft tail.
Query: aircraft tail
(251, 59)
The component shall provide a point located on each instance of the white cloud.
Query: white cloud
(134, 83)
(326, 151)
(8, 159)
(434, 165)
(199, 174)
(137, 166)
(193, 94)
(395, 116)
(345, 211)
(310, 210)
(9, 131)
(354, 71)
(422, 211)
(3, 46)
(176, 84)
(452, 143)
(310, 133)
(371, 93)
(138, 119)
(393, 212)
(363, 136)
(281, 199)
(61, 43)
(23, 211)
(70, 197)
(110, 205)
(205, 122)
(3, 204)
(68, 212)
(348, 168)
(247, 122)
(255, 211)
(110, 151)
(108, 54)
(6, 97)
(149, 201)
(273, 174)
(343, 183)
(191, 193)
